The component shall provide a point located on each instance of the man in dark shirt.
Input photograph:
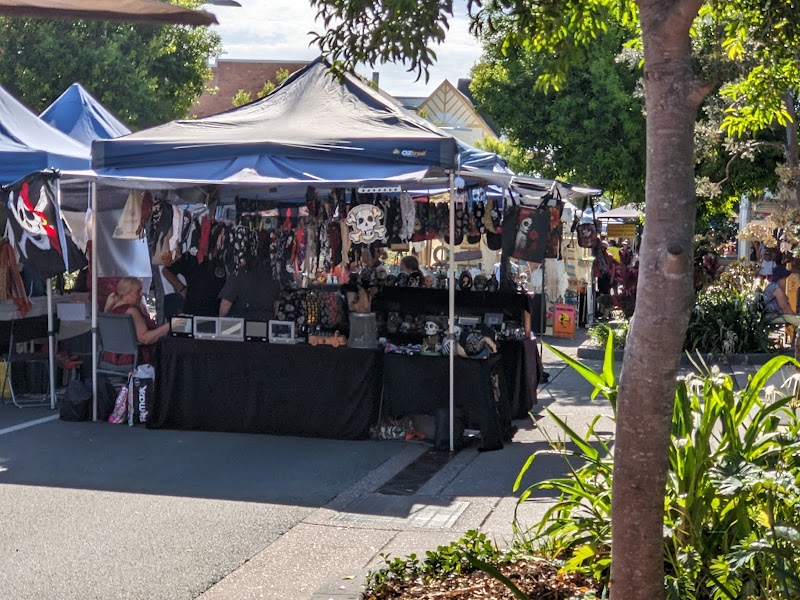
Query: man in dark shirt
(203, 284)
(250, 294)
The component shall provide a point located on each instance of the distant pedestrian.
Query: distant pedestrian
(767, 263)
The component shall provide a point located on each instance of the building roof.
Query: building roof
(448, 107)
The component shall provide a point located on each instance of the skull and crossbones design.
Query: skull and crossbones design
(33, 221)
(366, 224)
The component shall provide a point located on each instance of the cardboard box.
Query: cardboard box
(73, 311)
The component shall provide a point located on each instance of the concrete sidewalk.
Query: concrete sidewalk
(329, 553)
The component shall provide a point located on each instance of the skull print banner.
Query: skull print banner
(366, 224)
(36, 228)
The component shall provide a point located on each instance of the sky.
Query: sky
(278, 30)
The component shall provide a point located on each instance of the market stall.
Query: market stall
(322, 160)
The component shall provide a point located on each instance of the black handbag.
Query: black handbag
(587, 232)
(525, 233)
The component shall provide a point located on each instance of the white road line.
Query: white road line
(28, 424)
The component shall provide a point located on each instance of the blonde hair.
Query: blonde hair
(124, 286)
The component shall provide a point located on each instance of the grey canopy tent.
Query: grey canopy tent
(628, 212)
(314, 129)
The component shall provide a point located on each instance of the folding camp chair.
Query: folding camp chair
(117, 335)
(27, 367)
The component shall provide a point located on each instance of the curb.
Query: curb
(592, 352)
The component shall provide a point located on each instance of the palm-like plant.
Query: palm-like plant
(731, 518)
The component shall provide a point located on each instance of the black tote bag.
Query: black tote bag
(525, 232)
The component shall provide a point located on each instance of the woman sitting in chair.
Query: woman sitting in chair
(128, 300)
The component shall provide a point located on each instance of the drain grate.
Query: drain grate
(417, 474)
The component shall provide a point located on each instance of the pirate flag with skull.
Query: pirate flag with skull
(36, 228)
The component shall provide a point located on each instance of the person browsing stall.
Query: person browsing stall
(409, 266)
(127, 300)
(250, 293)
(203, 284)
(776, 302)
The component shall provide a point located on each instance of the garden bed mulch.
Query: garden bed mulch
(537, 578)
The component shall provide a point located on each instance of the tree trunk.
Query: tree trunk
(663, 304)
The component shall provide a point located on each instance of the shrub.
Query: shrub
(728, 316)
(599, 334)
(732, 510)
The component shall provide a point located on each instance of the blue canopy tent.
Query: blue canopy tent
(82, 117)
(314, 129)
(27, 144)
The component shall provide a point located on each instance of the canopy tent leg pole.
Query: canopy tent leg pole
(93, 263)
(451, 308)
(51, 340)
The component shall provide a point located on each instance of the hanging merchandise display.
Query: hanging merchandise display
(407, 214)
(525, 232)
(160, 232)
(128, 227)
(587, 232)
(366, 224)
(553, 247)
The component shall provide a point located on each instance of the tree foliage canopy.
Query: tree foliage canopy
(592, 131)
(145, 74)
(676, 83)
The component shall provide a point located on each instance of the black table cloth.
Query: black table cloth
(287, 389)
(420, 384)
(522, 369)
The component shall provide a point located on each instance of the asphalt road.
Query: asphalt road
(98, 511)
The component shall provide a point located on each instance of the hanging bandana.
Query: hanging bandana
(408, 216)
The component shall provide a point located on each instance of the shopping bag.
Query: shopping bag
(142, 394)
(128, 226)
(587, 232)
(587, 235)
(120, 411)
(76, 404)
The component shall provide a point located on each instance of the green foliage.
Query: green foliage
(241, 98)
(765, 43)
(518, 159)
(598, 102)
(269, 86)
(454, 559)
(731, 519)
(145, 74)
(368, 31)
(618, 332)
(729, 317)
